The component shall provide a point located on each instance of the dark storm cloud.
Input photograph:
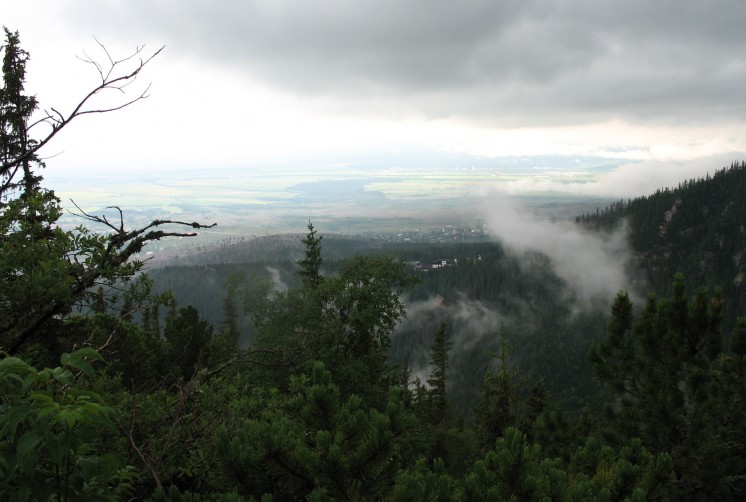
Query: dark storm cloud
(533, 62)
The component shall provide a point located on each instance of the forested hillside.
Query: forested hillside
(110, 390)
(697, 228)
(484, 291)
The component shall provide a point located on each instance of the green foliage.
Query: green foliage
(553, 430)
(33, 269)
(312, 409)
(550, 341)
(510, 471)
(137, 356)
(62, 290)
(496, 408)
(535, 406)
(310, 265)
(695, 228)
(230, 323)
(439, 405)
(53, 433)
(346, 322)
(15, 111)
(673, 387)
(515, 470)
(421, 484)
(47, 272)
(362, 305)
(187, 337)
(631, 473)
(317, 444)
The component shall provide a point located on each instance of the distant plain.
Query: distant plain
(362, 200)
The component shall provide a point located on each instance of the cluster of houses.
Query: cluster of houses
(433, 265)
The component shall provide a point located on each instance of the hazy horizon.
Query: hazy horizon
(651, 92)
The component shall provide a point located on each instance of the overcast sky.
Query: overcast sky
(249, 83)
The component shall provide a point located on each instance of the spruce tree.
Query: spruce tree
(310, 265)
(440, 409)
(229, 324)
(495, 410)
(16, 148)
(535, 405)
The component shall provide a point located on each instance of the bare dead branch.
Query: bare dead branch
(111, 61)
(120, 247)
(132, 234)
(89, 60)
(109, 81)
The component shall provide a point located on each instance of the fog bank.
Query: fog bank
(592, 265)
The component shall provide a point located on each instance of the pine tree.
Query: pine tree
(317, 445)
(421, 484)
(509, 472)
(673, 391)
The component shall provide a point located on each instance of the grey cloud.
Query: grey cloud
(278, 285)
(511, 63)
(627, 180)
(469, 321)
(473, 320)
(593, 266)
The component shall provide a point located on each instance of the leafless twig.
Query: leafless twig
(110, 79)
